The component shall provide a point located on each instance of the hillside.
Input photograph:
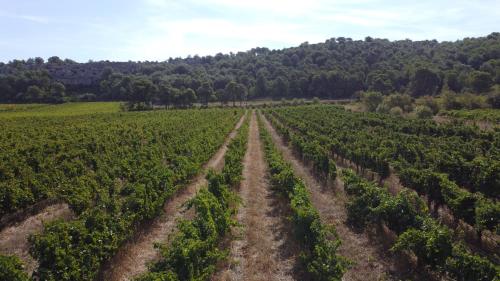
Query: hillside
(337, 68)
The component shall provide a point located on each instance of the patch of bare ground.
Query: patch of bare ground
(264, 249)
(368, 250)
(133, 258)
(14, 238)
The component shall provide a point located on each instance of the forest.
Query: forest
(339, 68)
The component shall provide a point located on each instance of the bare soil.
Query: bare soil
(133, 258)
(372, 259)
(264, 249)
(14, 238)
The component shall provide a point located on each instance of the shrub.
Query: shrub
(371, 100)
(429, 102)
(423, 112)
(396, 111)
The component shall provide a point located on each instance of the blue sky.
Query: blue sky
(158, 29)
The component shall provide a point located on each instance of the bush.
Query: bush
(383, 108)
(397, 100)
(429, 102)
(396, 111)
(471, 101)
(449, 101)
(371, 100)
(423, 112)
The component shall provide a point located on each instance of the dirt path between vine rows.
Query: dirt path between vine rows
(264, 250)
(14, 238)
(372, 262)
(132, 258)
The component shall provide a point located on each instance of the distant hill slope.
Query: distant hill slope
(337, 68)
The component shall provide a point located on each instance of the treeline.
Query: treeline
(338, 68)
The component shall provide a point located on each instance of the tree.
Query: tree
(39, 61)
(371, 100)
(34, 93)
(481, 82)
(166, 93)
(54, 60)
(261, 84)
(205, 91)
(280, 87)
(57, 92)
(380, 82)
(424, 83)
(453, 82)
(143, 90)
(188, 97)
(235, 91)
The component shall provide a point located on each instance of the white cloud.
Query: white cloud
(36, 19)
(208, 36)
(206, 27)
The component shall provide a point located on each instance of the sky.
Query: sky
(154, 30)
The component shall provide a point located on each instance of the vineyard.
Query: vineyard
(440, 168)
(308, 192)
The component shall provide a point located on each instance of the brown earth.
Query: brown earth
(264, 249)
(132, 258)
(14, 238)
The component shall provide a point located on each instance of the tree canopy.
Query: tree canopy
(335, 69)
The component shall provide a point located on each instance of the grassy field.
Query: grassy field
(66, 109)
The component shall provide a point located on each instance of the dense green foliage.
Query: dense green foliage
(11, 269)
(435, 160)
(337, 68)
(194, 251)
(405, 214)
(320, 242)
(114, 170)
